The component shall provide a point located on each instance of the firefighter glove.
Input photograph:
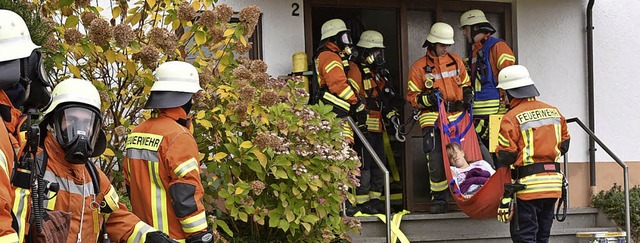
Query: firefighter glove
(505, 210)
(467, 97)
(428, 98)
(159, 237)
(359, 112)
(203, 237)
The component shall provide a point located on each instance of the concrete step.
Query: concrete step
(447, 227)
(561, 236)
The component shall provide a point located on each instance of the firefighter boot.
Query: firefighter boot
(439, 203)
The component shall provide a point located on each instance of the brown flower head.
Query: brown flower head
(247, 92)
(244, 61)
(240, 109)
(82, 3)
(241, 72)
(205, 77)
(51, 44)
(258, 66)
(148, 56)
(123, 34)
(250, 15)
(223, 12)
(261, 140)
(257, 187)
(208, 19)
(120, 130)
(241, 48)
(282, 125)
(186, 11)
(268, 98)
(100, 32)
(72, 36)
(260, 79)
(163, 39)
(217, 34)
(87, 17)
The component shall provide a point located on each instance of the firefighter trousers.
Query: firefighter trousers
(372, 178)
(535, 218)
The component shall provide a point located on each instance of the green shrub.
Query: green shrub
(611, 202)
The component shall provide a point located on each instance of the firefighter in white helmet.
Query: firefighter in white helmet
(370, 74)
(437, 73)
(72, 129)
(23, 86)
(489, 55)
(331, 62)
(163, 160)
(533, 136)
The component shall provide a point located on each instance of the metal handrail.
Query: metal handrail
(625, 169)
(374, 155)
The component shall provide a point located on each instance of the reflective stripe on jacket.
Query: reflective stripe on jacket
(76, 190)
(7, 233)
(535, 131)
(498, 55)
(162, 169)
(448, 76)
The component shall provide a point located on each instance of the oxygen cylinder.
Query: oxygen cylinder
(299, 65)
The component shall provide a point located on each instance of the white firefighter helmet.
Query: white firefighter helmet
(473, 16)
(517, 82)
(15, 40)
(371, 39)
(332, 27)
(77, 96)
(175, 84)
(440, 33)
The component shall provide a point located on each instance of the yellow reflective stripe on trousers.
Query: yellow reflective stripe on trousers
(336, 101)
(373, 123)
(139, 234)
(158, 199)
(20, 209)
(186, 167)
(10, 238)
(527, 150)
(346, 130)
(439, 186)
(195, 223)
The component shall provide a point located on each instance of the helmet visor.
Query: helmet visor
(75, 123)
(345, 38)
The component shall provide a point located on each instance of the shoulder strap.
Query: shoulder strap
(95, 179)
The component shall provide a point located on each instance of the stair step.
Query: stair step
(447, 227)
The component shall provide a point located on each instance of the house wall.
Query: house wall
(282, 33)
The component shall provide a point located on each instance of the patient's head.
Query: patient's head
(456, 156)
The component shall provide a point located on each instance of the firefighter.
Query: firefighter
(369, 73)
(72, 134)
(20, 71)
(162, 168)
(438, 75)
(332, 65)
(489, 55)
(533, 136)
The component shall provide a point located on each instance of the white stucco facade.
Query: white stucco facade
(551, 41)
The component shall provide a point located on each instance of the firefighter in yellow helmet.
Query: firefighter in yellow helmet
(162, 167)
(489, 55)
(371, 76)
(331, 62)
(23, 85)
(438, 73)
(72, 130)
(533, 136)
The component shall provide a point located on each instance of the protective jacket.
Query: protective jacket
(7, 157)
(162, 171)
(488, 57)
(533, 132)
(432, 73)
(370, 86)
(77, 196)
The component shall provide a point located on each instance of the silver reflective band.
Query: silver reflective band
(70, 186)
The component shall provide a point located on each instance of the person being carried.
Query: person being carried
(468, 176)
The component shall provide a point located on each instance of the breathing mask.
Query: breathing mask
(374, 58)
(26, 82)
(77, 129)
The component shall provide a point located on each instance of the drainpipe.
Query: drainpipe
(590, 92)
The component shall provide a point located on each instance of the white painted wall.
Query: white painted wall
(552, 44)
(282, 33)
